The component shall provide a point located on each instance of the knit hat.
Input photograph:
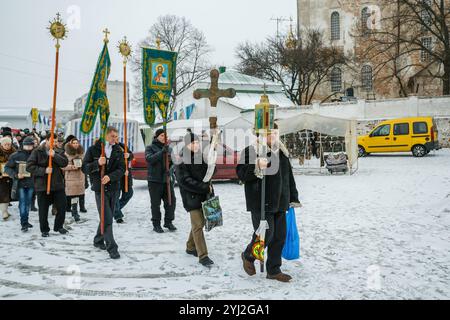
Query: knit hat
(5, 140)
(29, 141)
(189, 138)
(158, 133)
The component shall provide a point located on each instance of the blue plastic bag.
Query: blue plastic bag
(291, 250)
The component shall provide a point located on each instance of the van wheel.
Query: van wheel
(361, 152)
(419, 151)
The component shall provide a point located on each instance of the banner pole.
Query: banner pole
(102, 195)
(125, 51)
(52, 131)
(125, 131)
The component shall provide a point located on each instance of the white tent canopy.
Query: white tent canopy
(325, 125)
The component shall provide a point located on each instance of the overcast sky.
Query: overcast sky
(27, 50)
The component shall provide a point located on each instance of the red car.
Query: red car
(227, 160)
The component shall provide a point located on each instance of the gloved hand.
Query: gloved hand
(295, 205)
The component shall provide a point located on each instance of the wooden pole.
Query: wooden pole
(52, 139)
(102, 193)
(125, 130)
(167, 164)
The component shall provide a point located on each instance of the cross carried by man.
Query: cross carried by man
(213, 94)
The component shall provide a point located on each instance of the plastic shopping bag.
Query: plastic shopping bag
(291, 250)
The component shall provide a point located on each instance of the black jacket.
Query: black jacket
(281, 189)
(37, 164)
(190, 180)
(156, 167)
(12, 168)
(114, 169)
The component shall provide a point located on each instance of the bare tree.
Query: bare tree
(179, 35)
(299, 65)
(413, 38)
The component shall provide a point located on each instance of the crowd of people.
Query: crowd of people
(25, 174)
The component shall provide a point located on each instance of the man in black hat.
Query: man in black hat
(190, 173)
(37, 165)
(157, 182)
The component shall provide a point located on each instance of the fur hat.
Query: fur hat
(5, 140)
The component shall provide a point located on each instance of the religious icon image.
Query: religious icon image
(160, 74)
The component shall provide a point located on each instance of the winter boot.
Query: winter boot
(75, 214)
(4, 211)
(170, 226)
(157, 228)
(206, 262)
(82, 205)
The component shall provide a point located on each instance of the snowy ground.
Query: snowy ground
(382, 233)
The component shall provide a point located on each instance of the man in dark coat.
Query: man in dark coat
(157, 182)
(37, 165)
(281, 192)
(114, 170)
(25, 185)
(190, 173)
(124, 197)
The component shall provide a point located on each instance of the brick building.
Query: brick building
(341, 22)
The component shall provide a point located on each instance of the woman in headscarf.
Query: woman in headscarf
(74, 177)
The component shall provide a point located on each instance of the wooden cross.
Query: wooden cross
(214, 94)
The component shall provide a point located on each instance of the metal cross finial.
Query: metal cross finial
(265, 88)
(106, 32)
(158, 43)
(58, 16)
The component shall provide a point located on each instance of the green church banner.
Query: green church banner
(158, 76)
(97, 101)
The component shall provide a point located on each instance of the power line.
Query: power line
(38, 75)
(42, 64)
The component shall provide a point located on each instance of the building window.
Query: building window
(426, 48)
(426, 14)
(365, 15)
(336, 80)
(335, 26)
(367, 78)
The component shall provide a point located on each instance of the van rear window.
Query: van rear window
(420, 128)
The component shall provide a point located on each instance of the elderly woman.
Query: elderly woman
(6, 150)
(74, 177)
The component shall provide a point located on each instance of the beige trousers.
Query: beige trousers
(196, 239)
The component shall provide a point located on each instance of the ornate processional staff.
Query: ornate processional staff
(58, 31)
(125, 51)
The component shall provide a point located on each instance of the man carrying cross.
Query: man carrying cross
(194, 174)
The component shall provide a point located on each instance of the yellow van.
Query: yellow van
(417, 135)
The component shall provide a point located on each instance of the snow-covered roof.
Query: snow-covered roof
(247, 101)
(239, 80)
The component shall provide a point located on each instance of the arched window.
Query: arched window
(367, 78)
(365, 15)
(336, 79)
(335, 26)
